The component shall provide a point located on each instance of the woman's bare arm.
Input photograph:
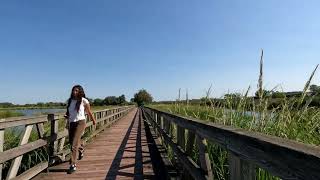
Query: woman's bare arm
(88, 110)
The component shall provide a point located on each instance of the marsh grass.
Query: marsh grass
(7, 114)
(12, 138)
(292, 119)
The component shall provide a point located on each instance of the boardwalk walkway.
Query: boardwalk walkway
(121, 152)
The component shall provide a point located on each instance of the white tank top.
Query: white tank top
(75, 116)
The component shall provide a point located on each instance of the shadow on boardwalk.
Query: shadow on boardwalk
(144, 162)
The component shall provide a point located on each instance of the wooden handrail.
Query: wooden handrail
(281, 157)
(55, 141)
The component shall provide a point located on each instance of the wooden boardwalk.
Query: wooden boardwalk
(120, 152)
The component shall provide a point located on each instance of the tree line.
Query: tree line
(141, 97)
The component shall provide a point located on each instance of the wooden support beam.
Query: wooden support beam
(15, 164)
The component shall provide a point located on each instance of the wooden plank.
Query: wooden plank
(204, 160)
(234, 167)
(190, 142)
(7, 123)
(189, 151)
(40, 130)
(181, 139)
(96, 132)
(248, 170)
(32, 172)
(53, 146)
(61, 144)
(1, 148)
(17, 161)
(240, 169)
(281, 157)
(20, 150)
(60, 135)
(105, 118)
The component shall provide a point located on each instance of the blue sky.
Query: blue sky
(119, 47)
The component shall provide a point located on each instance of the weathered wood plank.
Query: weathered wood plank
(53, 146)
(190, 142)
(32, 172)
(40, 130)
(181, 138)
(240, 169)
(7, 123)
(204, 160)
(20, 150)
(61, 144)
(15, 164)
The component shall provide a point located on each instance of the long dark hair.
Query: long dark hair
(81, 95)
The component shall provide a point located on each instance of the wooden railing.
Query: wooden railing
(246, 150)
(52, 135)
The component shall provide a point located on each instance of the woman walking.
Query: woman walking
(77, 106)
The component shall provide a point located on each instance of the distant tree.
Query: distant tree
(40, 104)
(6, 104)
(122, 99)
(98, 102)
(278, 94)
(233, 96)
(265, 93)
(110, 100)
(142, 97)
(314, 89)
(202, 101)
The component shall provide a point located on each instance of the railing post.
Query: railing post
(190, 143)
(53, 146)
(96, 116)
(181, 144)
(161, 125)
(189, 150)
(240, 169)
(181, 139)
(204, 160)
(103, 114)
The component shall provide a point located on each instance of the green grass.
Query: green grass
(7, 114)
(29, 160)
(286, 121)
